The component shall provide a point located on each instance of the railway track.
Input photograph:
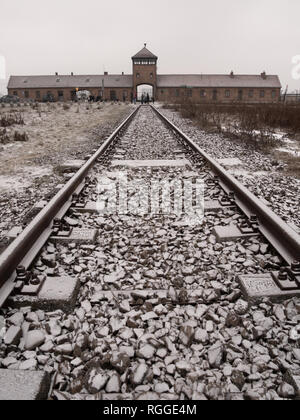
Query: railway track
(144, 299)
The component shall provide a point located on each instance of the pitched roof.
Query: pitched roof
(217, 80)
(126, 81)
(80, 81)
(144, 53)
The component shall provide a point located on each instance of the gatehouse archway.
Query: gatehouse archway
(145, 91)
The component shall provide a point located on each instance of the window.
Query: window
(113, 95)
(162, 92)
(251, 93)
(151, 75)
(227, 93)
(38, 94)
(177, 92)
(240, 94)
(190, 92)
(144, 62)
(262, 93)
(138, 75)
(26, 94)
(215, 95)
(202, 93)
(15, 93)
(60, 94)
(49, 97)
(273, 94)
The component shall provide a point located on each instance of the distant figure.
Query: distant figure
(142, 100)
(153, 100)
(147, 98)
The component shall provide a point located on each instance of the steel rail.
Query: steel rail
(16, 252)
(283, 238)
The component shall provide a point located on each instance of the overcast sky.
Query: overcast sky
(191, 36)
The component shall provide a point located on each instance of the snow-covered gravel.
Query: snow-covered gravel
(160, 314)
(28, 171)
(261, 174)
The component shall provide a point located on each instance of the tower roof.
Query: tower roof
(144, 53)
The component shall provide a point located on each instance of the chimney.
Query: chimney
(106, 73)
(232, 74)
(72, 74)
(122, 73)
(56, 74)
(263, 75)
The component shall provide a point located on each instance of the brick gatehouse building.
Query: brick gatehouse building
(224, 88)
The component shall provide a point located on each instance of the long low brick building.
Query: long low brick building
(199, 88)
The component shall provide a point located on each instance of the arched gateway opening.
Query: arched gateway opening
(144, 91)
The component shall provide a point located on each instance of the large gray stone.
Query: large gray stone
(78, 235)
(258, 286)
(230, 233)
(114, 384)
(138, 375)
(13, 335)
(23, 385)
(56, 293)
(215, 355)
(59, 292)
(150, 163)
(34, 339)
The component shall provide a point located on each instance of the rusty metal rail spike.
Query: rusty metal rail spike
(18, 249)
(283, 238)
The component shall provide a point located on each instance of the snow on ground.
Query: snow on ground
(288, 145)
(55, 134)
(28, 169)
(8, 183)
(262, 174)
(291, 151)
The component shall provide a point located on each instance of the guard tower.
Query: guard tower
(144, 70)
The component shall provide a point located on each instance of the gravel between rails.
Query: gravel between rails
(198, 339)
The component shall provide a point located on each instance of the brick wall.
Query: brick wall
(117, 93)
(144, 74)
(197, 95)
(219, 95)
